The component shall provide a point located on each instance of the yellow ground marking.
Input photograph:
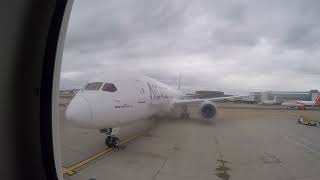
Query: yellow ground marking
(67, 171)
(70, 170)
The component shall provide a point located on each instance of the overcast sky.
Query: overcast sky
(233, 46)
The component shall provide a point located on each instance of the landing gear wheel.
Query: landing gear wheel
(109, 141)
(112, 141)
(115, 142)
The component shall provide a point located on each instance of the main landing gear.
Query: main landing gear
(184, 112)
(112, 140)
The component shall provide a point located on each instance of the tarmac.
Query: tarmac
(241, 143)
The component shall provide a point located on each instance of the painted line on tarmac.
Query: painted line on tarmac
(67, 171)
(71, 170)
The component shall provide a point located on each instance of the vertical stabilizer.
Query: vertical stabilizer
(317, 101)
(179, 83)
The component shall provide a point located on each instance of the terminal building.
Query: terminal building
(282, 96)
(277, 97)
(208, 94)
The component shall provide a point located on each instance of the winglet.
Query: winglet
(179, 83)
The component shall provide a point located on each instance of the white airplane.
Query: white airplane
(112, 101)
(302, 104)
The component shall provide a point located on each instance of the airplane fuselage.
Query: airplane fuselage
(132, 98)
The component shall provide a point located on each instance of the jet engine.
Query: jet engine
(208, 110)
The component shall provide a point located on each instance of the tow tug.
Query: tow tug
(306, 121)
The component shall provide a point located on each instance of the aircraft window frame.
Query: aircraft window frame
(111, 85)
(93, 86)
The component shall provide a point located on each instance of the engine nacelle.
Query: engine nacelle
(208, 110)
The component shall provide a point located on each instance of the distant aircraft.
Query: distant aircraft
(302, 104)
(112, 101)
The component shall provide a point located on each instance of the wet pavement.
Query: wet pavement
(240, 144)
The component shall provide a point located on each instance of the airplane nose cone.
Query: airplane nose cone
(79, 111)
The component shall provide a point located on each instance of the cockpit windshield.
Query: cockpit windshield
(93, 86)
(110, 87)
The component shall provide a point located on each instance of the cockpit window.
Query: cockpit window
(109, 87)
(93, 86)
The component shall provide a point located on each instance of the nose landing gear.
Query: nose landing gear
(112, 140)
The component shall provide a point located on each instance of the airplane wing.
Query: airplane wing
(207, 108)
(187, 101)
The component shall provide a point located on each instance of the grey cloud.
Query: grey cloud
(210, 42)
(115, 24)
(303, 36)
